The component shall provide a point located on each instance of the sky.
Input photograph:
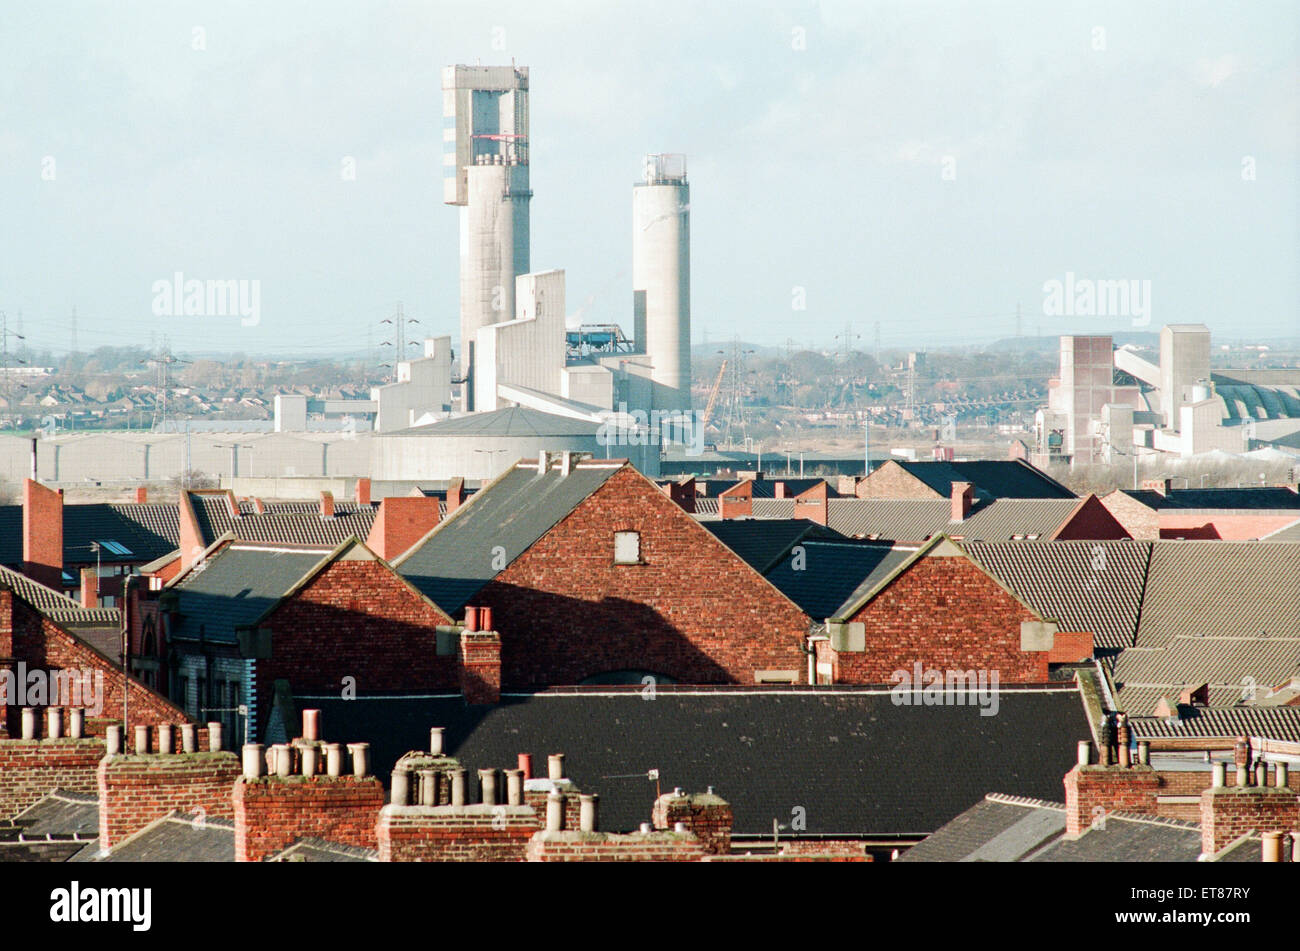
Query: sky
(908, 172)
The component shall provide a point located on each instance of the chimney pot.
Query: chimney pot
(587, 805)
(1085, 752)
(458, 787)
(427, 786)
(401, 787)
(555, 766)
(485, 618)
(435, 740)
(677, 790)
(1219, 774)
(514, 787)
(112, 737)
(334, 760)
(360, 759)
(645, 828)
(253, 760)
(1144, 753)
(29, 723)
(166, 739)
(189, 738)
(309, 757)
(283, 759)
(1272, 850)
(555, 812)
(679, 828)
(1261, 774)
(525, 761)
(215, 740)
(487, 784)
(141, 739)
(471, 619)
(76, 723)
(1243, 776)
(1281, 770)
(54, 723)
(311, 725)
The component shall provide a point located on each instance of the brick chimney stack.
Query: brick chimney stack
(455, 494)
(141, 495)
(401, 522)
(89, 588)
(963, 497)
(363, 491)
(326, 504)
(43, 534)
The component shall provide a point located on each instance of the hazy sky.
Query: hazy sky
(922, 166)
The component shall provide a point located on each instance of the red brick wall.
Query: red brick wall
(355, 619)
(32, 769)
(737, 501)
(1091, 521)
(891, 481)
(480, 665)
(1138, 520)
(1228, 813)
(604, 847)
(693, 610)
(136, 790)
(272, 812)
(1227, 527)
(946, 613)
(447, 834)
(1091, 788)
(43, 534)
(400, 523)
(708, 817)
(39, 642)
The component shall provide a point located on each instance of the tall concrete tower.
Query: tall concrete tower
(485, 172)
(661, 277)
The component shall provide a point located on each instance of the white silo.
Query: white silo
(661, 277)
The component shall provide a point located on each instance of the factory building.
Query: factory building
(1108, 405)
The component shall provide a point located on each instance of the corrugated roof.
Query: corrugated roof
(1220, 588)
(58, 607)
(1232, 666)
(1274, 723)
(1085, 586)
(295, 523)
(494, 527)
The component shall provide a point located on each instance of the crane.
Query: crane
(713, 397)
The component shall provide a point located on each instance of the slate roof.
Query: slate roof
(1014, 829)
(1084, 585)
(1220, 588)
(1259, 498)
(456, 559)
(178, 837)
(147, 530)
(236, 586)
(312, 849)
(993, 479)
(62, 813)
(765, 488)
(833, 573)
(859, 763)
(296, 523)
(763, 542)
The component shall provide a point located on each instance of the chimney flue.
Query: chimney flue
(458, 787)
(400, 788)
(514, 787)
(555, 812)
(1085, 753)
(77, 723)
(311, 725)
(587, 804)
(254, 760)
(141, 739)
(189, 738)
(112, 736)
(555, 767)
(360, 759)
(1219, 775)
(435, 740)
(166, 739)
(1272, 850)
(215, 744)
(54, 723)
(525, 761)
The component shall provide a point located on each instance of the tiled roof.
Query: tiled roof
(1235, 664)
(915, 520)
(457, 559)
(147, 531)
(995, 479)
(236, 586)
(1220, 588)
(312, 849)
(1274, 723)
(1084, 586)
(297, 523)
(57, 606)
(858, 762)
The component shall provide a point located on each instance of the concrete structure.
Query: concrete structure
(485, 169)
(527, 351)
(661, 277)
(421, 392)
(1184, 364)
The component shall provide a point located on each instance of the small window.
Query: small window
(627, 548)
